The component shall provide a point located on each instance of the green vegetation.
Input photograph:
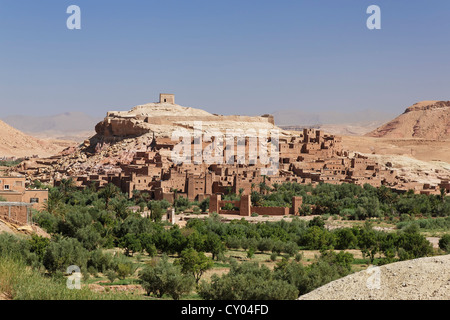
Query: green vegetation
(437, 224)
(10, 163)
(19, 282)
(355, 202)
(96, 231)
(166, 278)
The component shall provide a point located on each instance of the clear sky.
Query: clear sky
(228, 57)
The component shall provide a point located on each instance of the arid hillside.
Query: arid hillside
(14, 143)
(426, 120)
(73, 126)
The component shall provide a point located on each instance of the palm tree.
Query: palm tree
(108, 192)
(443, 192)
(67, 186)
(54, 201)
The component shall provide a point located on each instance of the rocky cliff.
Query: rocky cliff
(161, 119)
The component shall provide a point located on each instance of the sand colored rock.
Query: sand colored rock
(419, 279)
(161, 119)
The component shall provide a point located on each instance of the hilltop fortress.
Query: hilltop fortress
(133, 150)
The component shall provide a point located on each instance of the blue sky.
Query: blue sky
(228, 57)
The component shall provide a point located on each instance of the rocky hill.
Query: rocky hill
(14, 143)
(426, 120)
(419, 279)
(161, 119)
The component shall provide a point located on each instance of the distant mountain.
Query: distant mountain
(68, 126)
(302, 118)
(339, 123)
(426, 120)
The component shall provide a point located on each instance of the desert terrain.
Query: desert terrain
(14, 143)
(407, 280)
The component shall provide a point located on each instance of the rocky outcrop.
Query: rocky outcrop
(161, 119)
(426, 120)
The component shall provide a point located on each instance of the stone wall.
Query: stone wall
(15, 212)
(270, 211)
(246, 209)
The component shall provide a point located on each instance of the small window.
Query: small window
(34, 200)
(6, 187)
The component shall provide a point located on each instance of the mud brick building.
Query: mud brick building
(13, 189)
(308, 157)
(16, 212)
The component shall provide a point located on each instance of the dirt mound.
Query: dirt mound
(14, 143)
(419, 279)
(426, 119)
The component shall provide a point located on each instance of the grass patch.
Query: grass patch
(221, 265)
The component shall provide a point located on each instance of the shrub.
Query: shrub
(278, 247)
(111, 275)
(317, 221)
(298, 257)
(345, 239)
(317, 238)
(250, 253)
(93, 271)
(264, 244)
(123, 270)
(47, 221)
(291, 248)
(233, 243)
(100, 260)
(235, 285)
(165, 278)
(19, 282)
(194, 263)
(63, 253)
(444, 243)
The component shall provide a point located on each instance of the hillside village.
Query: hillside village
(307, 157)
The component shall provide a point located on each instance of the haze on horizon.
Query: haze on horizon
(233, 57)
